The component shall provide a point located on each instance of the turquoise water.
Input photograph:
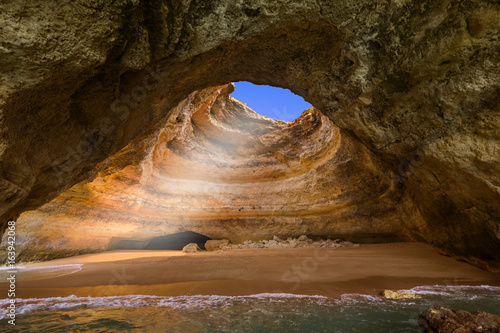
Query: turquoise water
(256, 313)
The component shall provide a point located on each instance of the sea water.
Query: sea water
(256, 313)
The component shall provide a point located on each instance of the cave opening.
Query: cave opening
(220, 169)
(176, 241)
(119, 118)
(272, 102)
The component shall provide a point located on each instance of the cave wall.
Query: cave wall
(218, 168)
(417, 82)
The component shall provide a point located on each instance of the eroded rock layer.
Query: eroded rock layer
(220, 169)
(80, 79)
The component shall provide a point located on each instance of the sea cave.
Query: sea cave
(132, 163)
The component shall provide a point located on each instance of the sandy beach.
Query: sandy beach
(368, 269)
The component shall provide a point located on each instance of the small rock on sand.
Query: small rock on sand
(216, 244)
(191, 248)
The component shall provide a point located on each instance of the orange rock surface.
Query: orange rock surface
(220, 169)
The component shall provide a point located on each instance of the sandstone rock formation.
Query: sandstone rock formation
(444, 320)
(216, 244)
(191, 248)
(417, 82)
(400, 294)
(219, 169)
(289, 243)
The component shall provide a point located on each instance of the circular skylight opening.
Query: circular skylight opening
(271, 102)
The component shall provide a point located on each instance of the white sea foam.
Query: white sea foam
(7, 268)
(450, 290)
(41, 268)
(283, 295)
(29, 273)
(29, 305)
(370, 298)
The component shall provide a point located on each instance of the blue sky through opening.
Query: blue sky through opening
(272, 102)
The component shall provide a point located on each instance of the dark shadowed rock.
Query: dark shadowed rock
(444, 320)
(117, 243)
(176, 241)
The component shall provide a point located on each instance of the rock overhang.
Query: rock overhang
(401, 76)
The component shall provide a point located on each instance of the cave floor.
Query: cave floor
(368, 269)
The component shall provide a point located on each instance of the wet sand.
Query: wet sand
(368, 269)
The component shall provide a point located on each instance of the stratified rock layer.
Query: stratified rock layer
(220, 169)
(417, 82)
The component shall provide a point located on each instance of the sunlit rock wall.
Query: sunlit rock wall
(220, 169)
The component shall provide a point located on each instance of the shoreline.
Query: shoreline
(368, 269)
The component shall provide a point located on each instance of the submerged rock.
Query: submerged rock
(444, 320)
